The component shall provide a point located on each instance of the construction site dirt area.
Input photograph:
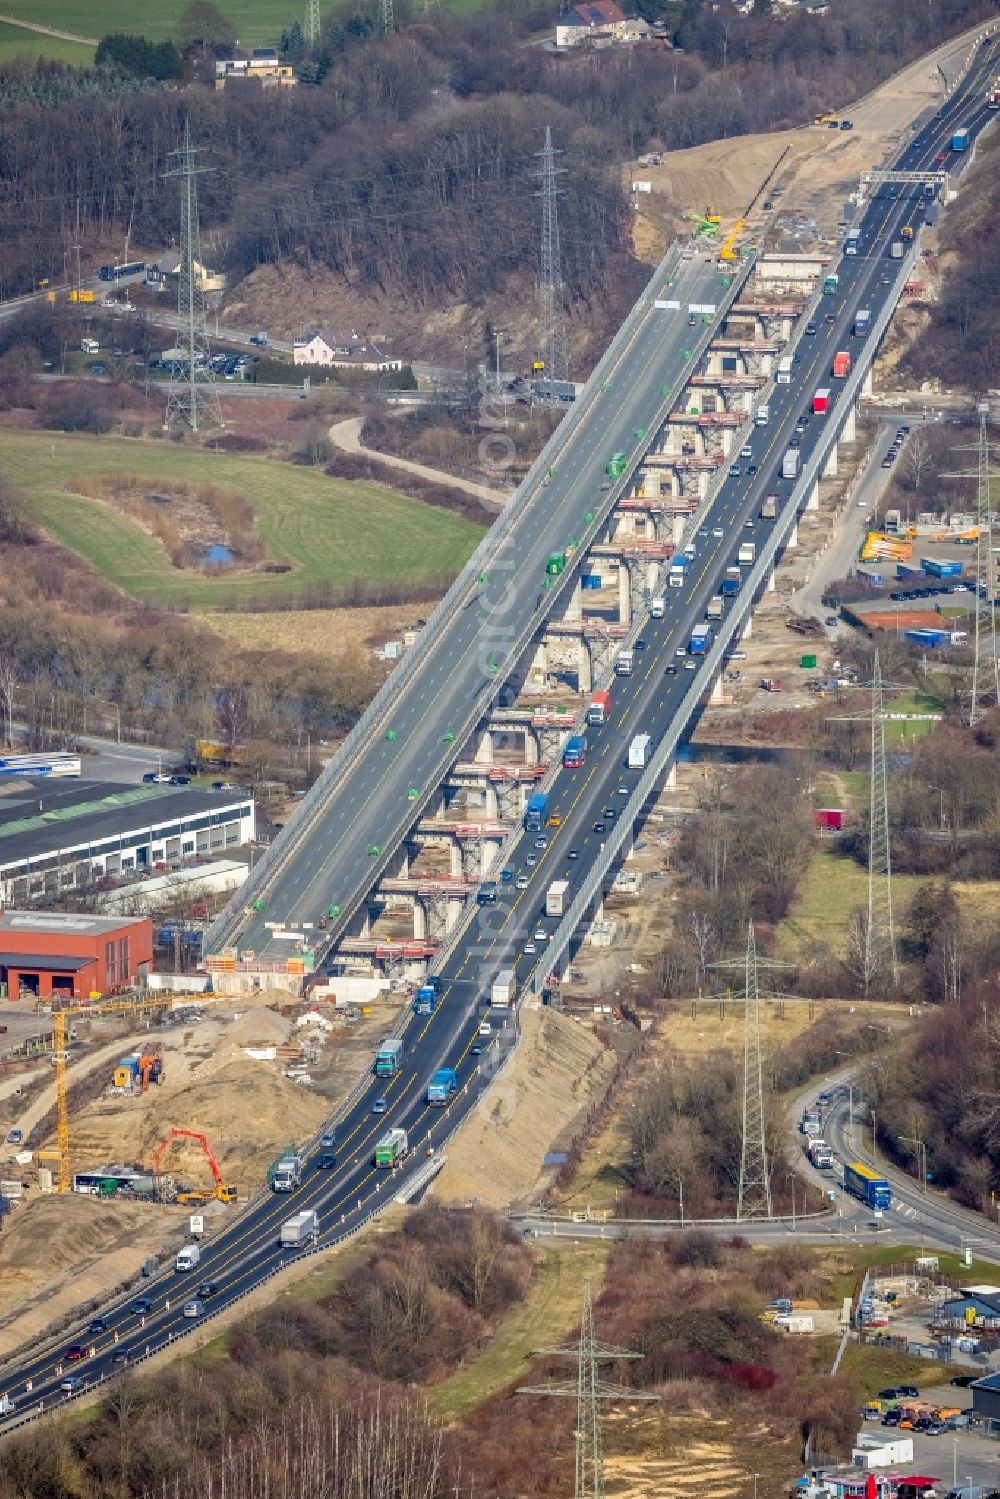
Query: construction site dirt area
(535, 1106)
(328, 633)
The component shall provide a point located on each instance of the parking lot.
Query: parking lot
(954, 1455)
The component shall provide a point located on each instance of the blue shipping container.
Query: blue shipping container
(590, 580)
(931, 638)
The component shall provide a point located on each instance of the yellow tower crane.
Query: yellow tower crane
(122, 1006)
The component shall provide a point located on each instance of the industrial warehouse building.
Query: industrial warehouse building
(57, 836)
(57, 953)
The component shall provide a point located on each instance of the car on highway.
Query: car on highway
(141, 1306)
(380, 1106)
(717, 532)
(703, 532)
(194, 1308)
(670, 671)
(521, 883)
(690, 666)
(477, 1050)
(207, 1289)
(610, 813)
(529, 947)
(887, 463)
(830, 318)
(599, 827)
(74, 1353)
(640, 644)
(326, 1161)
(73, 1384)
(751, 469)
(531, 860)
(574, 853)
(541, 843)
(541, 935)
(746, 451)
(97, 1324)
(682, 650)
(326, 1141)
(121, 1360)
(748, 525)
(623, 791)
(485, 1029)
(734, 471)
(810, 329)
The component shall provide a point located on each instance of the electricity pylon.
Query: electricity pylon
(312, 26)
(985, 675)
(878, 947)
(754, 1193)
(550, 283)
(386, 17)
(589, 1390)
(192, 397)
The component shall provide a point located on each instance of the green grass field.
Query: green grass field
(16, 42)
(901, 735)
(833, 889)
(327, 530)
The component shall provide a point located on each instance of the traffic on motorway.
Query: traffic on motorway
(462, 1031)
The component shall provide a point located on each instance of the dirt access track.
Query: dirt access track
(815, 168)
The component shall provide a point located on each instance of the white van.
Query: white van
(187, 1257)
(90, 346)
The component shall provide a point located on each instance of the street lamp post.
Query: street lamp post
(921, 1150)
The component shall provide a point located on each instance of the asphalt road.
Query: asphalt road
(246, 1253)
(325, 858)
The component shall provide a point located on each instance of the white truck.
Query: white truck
(555, 898)
(657, 607)
(769, 507)
(638, 751)
(747, 553)
(623, 666)
(790, 464)
(187, 1258)
(716, 606)
(763, 415)
(302, 1228)
(503, 991)
(287, 1174)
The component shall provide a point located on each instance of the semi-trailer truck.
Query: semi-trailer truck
(555, 898)
(851, 244)
(426, 1000)
(389, 1057)
(638, 751)
(287, 1174)
(624, 663)
(503, 990)
(442, 1086)
(392, 1148)
(536, 812)
(599, 710)
(769, 507)
(841, 365)
(678, 571)
(575, 752)
(301, 1228)
(830, 284)
(790, 464)
(861, 1181)
(747, 553)
(701, 639)
(820, 1154)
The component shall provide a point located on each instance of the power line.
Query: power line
(984, 628)
(386, 17)
(754, 1192)
(312, 26)
(550, 285)
(880, 935)
(192, 397)
(589, 1390)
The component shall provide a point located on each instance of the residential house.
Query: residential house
(332, 350)
(163, 273)
(592, 21)
(263, 66)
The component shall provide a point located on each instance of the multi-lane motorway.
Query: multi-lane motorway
(246, 1252)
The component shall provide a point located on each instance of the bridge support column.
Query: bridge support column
(677, 531)
(419, 921)
(812, 503)
(584, 675)
(771, 582)
(403, 872)
(573, 608)
(491, 805)
(670, 784)
(530, 747)
(538, 670)
(866, 384)
(747, 632)
(484, 749)
(793, 538)
(624, 594)
(850, 431)
(829, 469)
(455, 856)
(716, 694)
(454, 912)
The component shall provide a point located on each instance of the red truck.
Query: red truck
(821, 402)
(830, 819)
(599, 710)
(841, 366)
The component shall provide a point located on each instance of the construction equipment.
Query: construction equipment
(727, 250)
(189, 1198)
(706, 224)
(123, 1006)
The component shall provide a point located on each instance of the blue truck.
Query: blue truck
(960, 139)
(861, 1181)
(426, 1000)
(536, 812)
(701, 639)
(729, 586)
(575, 752)
(389, 1057)
(442, 1086)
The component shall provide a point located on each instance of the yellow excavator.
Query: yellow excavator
(727, 250)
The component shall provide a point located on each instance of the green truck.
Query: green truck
(616, 465)
(392, 1148)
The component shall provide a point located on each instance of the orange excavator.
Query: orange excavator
(191, 1198)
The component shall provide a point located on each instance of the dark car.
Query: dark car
(810, 329)
(149, 778)
(891, 1418)
(141, 1307)
(180, 780)
(98, 1324)
(74, 1353)
(889, 1394)
(908, 1391)
(574, 853)
(963, 1381)
(751, 469)
(326, 1161)
(610, 813)
(206, 1289)
(599, 827)
(640, 644)
(120, 1360)
(670, 671)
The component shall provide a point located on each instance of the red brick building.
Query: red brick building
(46, 953)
